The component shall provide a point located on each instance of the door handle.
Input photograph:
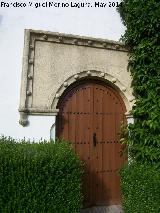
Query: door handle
(94, 139)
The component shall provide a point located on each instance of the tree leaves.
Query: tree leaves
(142, 19)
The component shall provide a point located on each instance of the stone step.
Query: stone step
(103, 209)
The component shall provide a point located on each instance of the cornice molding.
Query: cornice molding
(76, 40)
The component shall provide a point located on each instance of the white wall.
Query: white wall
(94, 22)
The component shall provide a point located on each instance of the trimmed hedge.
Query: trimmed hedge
(39, 178)
(140, 185)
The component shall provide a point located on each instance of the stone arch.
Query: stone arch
(94, 74)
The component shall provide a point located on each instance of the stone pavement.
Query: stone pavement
(103, 209)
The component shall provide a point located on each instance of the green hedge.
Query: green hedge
(140, 185)
(42, 178)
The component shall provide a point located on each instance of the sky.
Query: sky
(95, 21)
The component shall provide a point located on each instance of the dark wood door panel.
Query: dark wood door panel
(106, 108)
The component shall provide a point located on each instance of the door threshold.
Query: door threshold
(103, 209)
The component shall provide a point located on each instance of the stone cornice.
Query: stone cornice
(33, 111)
(76, 40)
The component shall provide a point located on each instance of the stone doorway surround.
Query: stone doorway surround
(53, 61)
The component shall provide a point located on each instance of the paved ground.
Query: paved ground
(104, 209)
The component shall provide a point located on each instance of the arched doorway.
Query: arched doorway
(90, 116)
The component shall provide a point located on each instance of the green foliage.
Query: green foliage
(142, 20)
(140, 185)
(39, 178)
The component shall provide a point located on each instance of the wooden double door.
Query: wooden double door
(90, 117)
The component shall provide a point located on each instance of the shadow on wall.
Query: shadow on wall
(1, 17)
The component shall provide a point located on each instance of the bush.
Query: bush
(140, 185)
(43, 177)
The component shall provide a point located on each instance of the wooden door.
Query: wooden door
(90, 117)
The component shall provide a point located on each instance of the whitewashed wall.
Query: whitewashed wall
(93, 22)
